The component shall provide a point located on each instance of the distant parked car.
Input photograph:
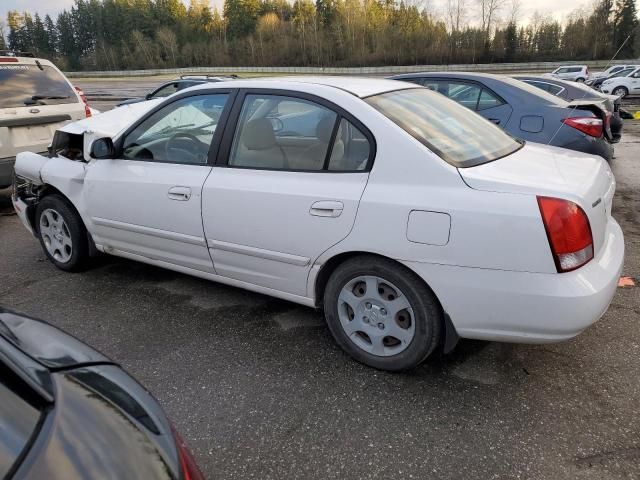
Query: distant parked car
(578, 91)
(574, 73)
(596, 83)
(35, 100)
(623, 86)
(169, 88)
(525, 111)
(611, 71)
(409, 219)
(67, 412)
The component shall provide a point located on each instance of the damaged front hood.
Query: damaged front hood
(113, 122)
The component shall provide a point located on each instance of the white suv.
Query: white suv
(575, 73)
(35, 100)
(622, 86)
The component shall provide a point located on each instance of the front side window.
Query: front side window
(25, 85)
(445, 127)
(279, 132)
(180, 132)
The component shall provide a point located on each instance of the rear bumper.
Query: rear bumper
(590, 145)
(527, 307)
(6, 171)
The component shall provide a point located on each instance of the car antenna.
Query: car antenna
(39, 65)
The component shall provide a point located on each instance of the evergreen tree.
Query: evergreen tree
(241, 16)
(626, 26)
(511, 42)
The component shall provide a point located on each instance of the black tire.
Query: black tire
(427, 312)
(580, 80)
(79, 258)
(622, 91)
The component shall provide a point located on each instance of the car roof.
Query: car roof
(358, 86)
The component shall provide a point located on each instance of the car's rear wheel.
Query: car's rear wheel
(620, 92)
(580, 80)
(382, 314)
(62, 234)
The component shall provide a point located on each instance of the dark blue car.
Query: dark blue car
(524, 111)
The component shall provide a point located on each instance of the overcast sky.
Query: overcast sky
(557, 8)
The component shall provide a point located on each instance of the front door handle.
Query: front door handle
(326, 208)
(179, 193)
(495, 120)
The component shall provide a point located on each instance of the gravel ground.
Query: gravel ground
(259, 389)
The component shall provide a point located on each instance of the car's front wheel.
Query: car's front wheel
(620, 92)
(62, 233)
(382, 314)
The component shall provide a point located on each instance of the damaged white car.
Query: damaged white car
(408, 219)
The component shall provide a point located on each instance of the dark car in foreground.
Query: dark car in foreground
(68, 412)
(525, 112)
(571, 91)
(169, 88)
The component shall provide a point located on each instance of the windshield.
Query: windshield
(26, 85)
(460, 137)
(622, 73)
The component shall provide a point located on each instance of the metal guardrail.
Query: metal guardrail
(387, 70)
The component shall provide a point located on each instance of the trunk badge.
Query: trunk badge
(34, 110)
(597, 202)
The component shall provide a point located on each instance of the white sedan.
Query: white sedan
(409, 220)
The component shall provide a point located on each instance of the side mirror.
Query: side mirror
(102, 148)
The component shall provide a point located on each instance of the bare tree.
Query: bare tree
(456, 14)
(515, 9)
(488, 12)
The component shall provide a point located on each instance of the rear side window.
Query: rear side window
(350, 149)
(464, 93)
(28, 85)
(18, 421)
(488, 100)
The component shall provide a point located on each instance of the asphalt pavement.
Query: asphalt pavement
(259, 389)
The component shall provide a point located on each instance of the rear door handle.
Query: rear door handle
(495, 120)
(179, 193)
(326, 208)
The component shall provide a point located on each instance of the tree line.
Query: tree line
(138, 34)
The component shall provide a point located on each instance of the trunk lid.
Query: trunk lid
(537, 169)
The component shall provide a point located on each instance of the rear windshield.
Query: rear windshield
(26, 85)
(459, 136)
(18, 421)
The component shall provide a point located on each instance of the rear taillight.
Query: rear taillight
(568, 231)
(190, 470)
(8, 59)
(87, 110)
(589, 125)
